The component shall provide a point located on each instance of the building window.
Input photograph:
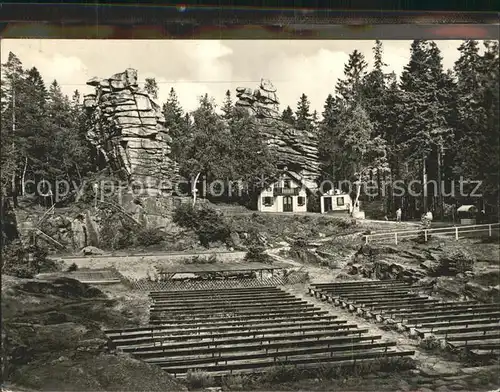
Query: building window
(269, 189)
(301, 200)
(286, 184)
(340, 201)
(268, 201)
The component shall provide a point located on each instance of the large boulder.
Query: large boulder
(127, 127)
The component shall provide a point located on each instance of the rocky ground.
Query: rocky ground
(52, 332)
(52, 339)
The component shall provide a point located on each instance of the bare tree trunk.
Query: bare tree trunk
(23, 189)
(424, 183)
(13, 181)
(193, 188)
(440, 180)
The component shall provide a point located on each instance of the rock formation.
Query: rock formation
(296, 149)
(128, 129)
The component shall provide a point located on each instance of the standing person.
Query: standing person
(398, 215)
(429, 217)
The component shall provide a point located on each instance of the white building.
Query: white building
(335, 201)
(289, 194)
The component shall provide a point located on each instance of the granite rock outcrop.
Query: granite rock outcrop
(296, 149)
(128, 128)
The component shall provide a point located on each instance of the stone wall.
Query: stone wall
(127, 127)
(296, 149)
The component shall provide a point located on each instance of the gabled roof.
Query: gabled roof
(309, 185)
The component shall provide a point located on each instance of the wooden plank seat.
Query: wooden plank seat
(275, 354)
(214, 292)
(361, 289)
(310, 336)
(224, 324)
(220, 307)
(441, 306)
(465, 310)
(362, 283)
(420, 304)
(231, 333)
(460, 329)
(473, 336)
(450, 323)
(262, 335)
(394, 302)
(240, 318)
(437, 317)
(250, 344)
(233, 313)
(328, 358)
(249, 301)
(370, 295)
(246, 298)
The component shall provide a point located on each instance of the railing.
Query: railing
(286, 191)
(456, 231)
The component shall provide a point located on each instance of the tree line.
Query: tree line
(431, 124)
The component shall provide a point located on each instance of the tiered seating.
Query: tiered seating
(244, 330)
(463, 325)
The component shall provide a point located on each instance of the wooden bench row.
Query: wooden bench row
(350, 358)
(223, 324)
(193, 362)
(229, 332)
(225, 316)
(216, 341)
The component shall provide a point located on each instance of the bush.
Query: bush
(300, 243)
(345, 223)
(208, 224)
(25, 262)
(430, 343)
(73, 267)
(199, 379)
(257, 253)
(149, 236)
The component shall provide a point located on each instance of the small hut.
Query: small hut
(467, 214)
(334, 201)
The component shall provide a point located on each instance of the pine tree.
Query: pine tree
(374, 89)
(328, 139)
(288, 116)
(350, 88)
(303, 115)
(227, 106)
(477, 134)
(427, 101)
(176, 124)
(13, 84)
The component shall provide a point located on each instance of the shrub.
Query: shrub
(300, 242)
(25, 262)
(455, 262)
(257, 253)
(430, 343)
(199, 379)
(72, 267)
(149, 236)
(208, 224)
(345, 223)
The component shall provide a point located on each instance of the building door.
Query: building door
(287, 204)
(327, 204)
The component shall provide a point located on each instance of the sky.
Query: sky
(196, 67)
